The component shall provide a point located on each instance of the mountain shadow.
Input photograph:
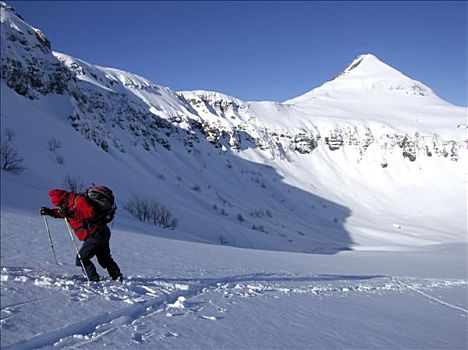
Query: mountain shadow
(219, 197)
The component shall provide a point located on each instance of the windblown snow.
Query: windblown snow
(336, 219)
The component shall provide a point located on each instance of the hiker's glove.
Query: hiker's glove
(46, 211)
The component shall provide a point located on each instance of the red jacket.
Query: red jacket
(78, 211)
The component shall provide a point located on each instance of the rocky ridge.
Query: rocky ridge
(105, 100)
(28, 66)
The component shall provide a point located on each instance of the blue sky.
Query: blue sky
(266, 50)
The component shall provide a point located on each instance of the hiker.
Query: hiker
(88, 217)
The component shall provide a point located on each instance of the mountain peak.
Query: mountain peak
(360, 59)
(369, 65)
(364, 74)
(8, 9)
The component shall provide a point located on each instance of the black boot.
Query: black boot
(118, 278)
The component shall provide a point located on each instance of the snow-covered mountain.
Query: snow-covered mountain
(369, 159)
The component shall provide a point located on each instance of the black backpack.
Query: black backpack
(102, 199)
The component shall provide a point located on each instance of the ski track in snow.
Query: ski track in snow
(149, 296)
(418, 290)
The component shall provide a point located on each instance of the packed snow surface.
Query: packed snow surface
(183, 295)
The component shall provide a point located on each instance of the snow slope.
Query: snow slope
(371, 91)
(355, 158)
(185, 295)
(345, 197)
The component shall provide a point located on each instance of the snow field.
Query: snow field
(188, 295)
(156, 299)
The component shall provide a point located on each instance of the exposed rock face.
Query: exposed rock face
(28, 66)
(282, 142)
(98, 112)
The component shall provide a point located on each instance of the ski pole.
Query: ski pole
(76, 248)
(50, 238)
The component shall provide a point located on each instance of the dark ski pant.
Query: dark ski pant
(97, 244)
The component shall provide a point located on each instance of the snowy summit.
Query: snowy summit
(367, 72)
